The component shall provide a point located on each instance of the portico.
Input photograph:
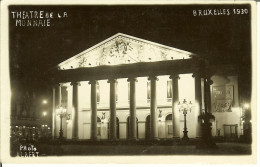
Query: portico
(123, 77)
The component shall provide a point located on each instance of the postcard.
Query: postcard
(147, 82)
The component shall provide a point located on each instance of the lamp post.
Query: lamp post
(62, 112)
(185, 107)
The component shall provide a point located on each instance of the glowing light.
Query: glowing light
(185, 106)
(44, 113)
(44, 102)
(246, 105)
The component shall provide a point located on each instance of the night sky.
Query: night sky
(35, 50)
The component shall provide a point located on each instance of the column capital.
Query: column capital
(68, 88)
(54, 85)
(172, 76)
(111, 80)
(132, 79)
(153, 78)
(196, 74)
(74, 83)
(92, 82)
(209, 81)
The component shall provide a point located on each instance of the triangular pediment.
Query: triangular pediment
(123, 49)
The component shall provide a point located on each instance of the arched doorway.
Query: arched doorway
(117, 128)
(168, 126)
(128, 128)
(148, 127)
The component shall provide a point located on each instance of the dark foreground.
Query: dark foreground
(135, 148)
(223, 149)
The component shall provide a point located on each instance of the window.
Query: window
(148, 91)
(116, 91)
(169, 89)
(128, 91)
(98, 92)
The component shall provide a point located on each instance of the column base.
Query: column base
(113, 139)
(94, 140)
(75, 138)
(155, 139)
(133, 139)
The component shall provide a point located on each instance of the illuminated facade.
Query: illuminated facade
(130, 88)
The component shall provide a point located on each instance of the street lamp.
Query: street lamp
(44, 113)
(185, 107)
(62, 112)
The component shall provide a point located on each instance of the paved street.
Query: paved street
(74, 149)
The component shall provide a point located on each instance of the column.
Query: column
(112, 123)
(56, 102)
(93, 110)
(175, 110)
(75, 105)
(132, 109)
(208, 116)
(208, 94)
(198, 103)
(153, 108)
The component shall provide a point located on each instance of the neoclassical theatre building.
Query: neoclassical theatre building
(130, 88)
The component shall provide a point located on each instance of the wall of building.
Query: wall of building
(231, 116)
(85, 127)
